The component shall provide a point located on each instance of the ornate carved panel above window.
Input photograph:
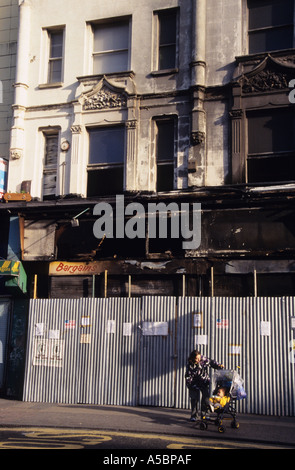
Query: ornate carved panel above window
(271, 74)
(105, 93)
(104, 96)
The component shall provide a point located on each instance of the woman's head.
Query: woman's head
(195, 357)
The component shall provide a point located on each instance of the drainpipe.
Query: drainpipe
(197, 157)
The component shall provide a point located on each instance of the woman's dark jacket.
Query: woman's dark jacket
(197, 375)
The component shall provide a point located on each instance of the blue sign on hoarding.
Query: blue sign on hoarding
(3, 176)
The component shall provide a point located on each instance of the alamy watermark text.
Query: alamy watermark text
(133, 222)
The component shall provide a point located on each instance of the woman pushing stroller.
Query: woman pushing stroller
(198, 380)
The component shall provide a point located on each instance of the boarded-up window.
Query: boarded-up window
(71, 287)
(50, 165)
(39, 239)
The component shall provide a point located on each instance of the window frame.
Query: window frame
(112, 22)
(47, 60)
(50, 169)
(157, 24)
(52, 59)
(107, 166)
(266, 155)
(162, 163)
(269, 28)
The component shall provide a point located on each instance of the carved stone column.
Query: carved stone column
(238, 157)
(197, 155)
(76, 180)
(131, 131)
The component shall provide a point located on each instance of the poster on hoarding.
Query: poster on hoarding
(3, 176)
(48, 352)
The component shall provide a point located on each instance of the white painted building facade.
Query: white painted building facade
(205, 46)
(175, 100)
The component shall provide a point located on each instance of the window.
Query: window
(106, 160)
(50, 164)
(55, 56)
(165, 133)
(111, 47)
(271, 145)
(167, 33)
(270, 25)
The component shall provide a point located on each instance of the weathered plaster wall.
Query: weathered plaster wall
(8, 38)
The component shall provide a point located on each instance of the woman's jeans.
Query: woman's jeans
(199, 399)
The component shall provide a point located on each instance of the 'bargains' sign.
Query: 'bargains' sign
(64, 268)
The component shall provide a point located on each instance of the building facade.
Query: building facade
(165, 111)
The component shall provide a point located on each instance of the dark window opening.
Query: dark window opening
(106, 161)
(167, 40)
(275, 285)
(165, 142)
(270, 25)
(234, 285)
(271, 146)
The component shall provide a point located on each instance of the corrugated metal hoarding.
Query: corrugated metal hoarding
(133, 351)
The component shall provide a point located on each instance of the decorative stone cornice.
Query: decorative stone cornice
(104, 96)
(236, 113)
(266, 80)
(271, 74)
(76, 129)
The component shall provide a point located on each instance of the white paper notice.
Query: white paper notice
(53, 334)
(234, 349)
(265, 328)
(159, 328)
(127, 329)
(85, 321)
(201, 339)
(85, 338)
(39, 329)
(111, 326)
(198, 320)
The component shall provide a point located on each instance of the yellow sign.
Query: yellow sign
(67, 268)
(9, 268)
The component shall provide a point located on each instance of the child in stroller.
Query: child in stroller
(219, 400)
(228, 388)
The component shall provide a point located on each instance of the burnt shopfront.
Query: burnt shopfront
(245, 245)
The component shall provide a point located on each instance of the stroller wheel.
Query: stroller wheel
(221, 429)
(235, 424)
(203, 426)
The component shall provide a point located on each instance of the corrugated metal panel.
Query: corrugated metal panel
(251, 335)
(157, 361)
(109, 363)
(99, 362)
(45, 381)
(108, 357)
(270, 372)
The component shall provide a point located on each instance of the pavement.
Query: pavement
(168, 421)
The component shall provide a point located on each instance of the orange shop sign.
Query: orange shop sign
(67, 268)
